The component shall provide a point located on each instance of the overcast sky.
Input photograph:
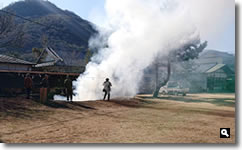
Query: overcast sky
(215, 19)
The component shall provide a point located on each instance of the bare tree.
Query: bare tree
(186, 53)
(11, 34)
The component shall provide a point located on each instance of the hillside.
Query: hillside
(65, 32)
(212, 55)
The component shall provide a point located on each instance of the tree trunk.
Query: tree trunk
(159, 85)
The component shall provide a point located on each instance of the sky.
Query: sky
(215, 19)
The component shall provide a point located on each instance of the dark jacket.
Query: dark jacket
(44, 83)
(28, 82)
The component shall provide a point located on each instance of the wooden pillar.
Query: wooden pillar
(43, 95)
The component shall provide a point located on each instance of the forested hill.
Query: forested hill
(63, 30)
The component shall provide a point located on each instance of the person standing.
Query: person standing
(68, 87)
(107, 88)
(44, 89)
(28, 83)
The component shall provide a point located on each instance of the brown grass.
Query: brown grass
(195, 118)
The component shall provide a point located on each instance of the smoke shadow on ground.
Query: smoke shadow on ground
(189, 110)
(66, 105)
(138, 103)
(24, 113)
(82, 106)
(130, 104)
(54, 104)
(133, 103)
(26, 109)
(216, 101)
(21, 109)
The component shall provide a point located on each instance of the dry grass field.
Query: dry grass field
(195, 118)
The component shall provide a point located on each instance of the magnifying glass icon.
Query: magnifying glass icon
(224, 132)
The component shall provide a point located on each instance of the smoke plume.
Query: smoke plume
(136, 31)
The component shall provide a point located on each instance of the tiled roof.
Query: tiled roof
(12, 60)
(215, 68)
(204, 67)
(45, 64)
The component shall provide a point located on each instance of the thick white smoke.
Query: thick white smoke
(137, 31)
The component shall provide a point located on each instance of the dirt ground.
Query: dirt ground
(195, 118)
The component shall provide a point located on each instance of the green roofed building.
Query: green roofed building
(220, 78)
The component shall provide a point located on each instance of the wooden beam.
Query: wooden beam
(39, 72)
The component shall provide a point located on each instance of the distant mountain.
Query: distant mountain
(64, 31)
(214, 56)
